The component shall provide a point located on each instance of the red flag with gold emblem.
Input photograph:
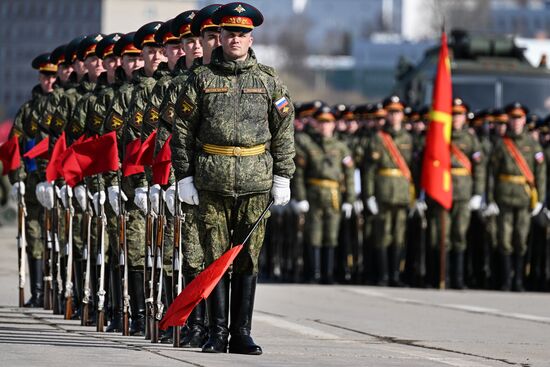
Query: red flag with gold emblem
(9, 155)
(436, 166)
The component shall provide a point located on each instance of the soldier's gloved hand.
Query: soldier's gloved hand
(113, 192)
(347, 209)
(154, 197)
(39, 192)
(358, 206)
(300, 207)
(64, 192)
(491, 210)
(49, 195)
(372, 205)
(187, 191)
(81, 196)
(140, 198)
(536, 210)
(280, 190)
(98, 199)
(16, 189)
(420, 206)
(475, 202)
(170, 199)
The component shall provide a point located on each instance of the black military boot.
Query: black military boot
(395, 268)
(506, 273)
(77, 288)
(382, 256)
(243, 289)
(167, 336)
(137, 303)
(36, 267)
(328, 265)
(218, 315)
(115, 322)
(458, 270)
(196, 335)
(519, 269)
(315, 269)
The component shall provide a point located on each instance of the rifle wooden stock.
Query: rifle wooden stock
(148, 273)
(86, 288)
(69, 261)
(176, 262)
(157, 275)
(124, 263)
(101, 259)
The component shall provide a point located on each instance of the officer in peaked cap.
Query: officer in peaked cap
(105, 51)
(64, 67)
(86, 52)
(130, 55)
(264, 105)
(43, 64)
(70, 55)
(519, 170)
(209, 32)
(151, 50)
(181, 27)
(389, 189)
(173, 49)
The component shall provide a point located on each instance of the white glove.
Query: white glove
(140, 199)
(154, 197)
(420, 206)
(63, 193)
(347, 209)
(302, 206)
(18, 187)
(98, 199)
(81, 196)
(187, 191)
(491, 209)
(358, 206)
(280, 190)
(536, 209)
(475, 202)
(372, 205)
(113, 193)
(45, 194)
(170, 198)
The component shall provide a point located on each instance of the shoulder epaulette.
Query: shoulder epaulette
(267, 69)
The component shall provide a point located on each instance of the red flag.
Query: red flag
(436, 166)
(147, 151)
(129, 164)
(9, 155)
(163, 163)
(52, 170)
(199, 289)
(91, 157)
(40, 150)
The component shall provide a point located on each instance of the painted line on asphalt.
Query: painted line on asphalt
(411, 351)
(461, 307)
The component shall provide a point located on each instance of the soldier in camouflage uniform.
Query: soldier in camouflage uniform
(233, 139)
(468, 180)
(26, 178)
(387, 186)
(324, 170)
(519, 178)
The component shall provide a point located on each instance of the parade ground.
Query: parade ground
(305, 325)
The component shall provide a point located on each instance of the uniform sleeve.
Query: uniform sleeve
(493, 168)
(298, 181)
(478, 167)
(540, 172)
(370, 161)
(281, 126)
(348, 166)
(185, 125)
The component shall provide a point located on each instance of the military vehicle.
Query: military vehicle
(486, 72)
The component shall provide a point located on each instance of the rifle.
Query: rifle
(148, 272)
(47, 260)
(87, 292)
(177, 279)
(359, 249)
(101, 222)
(123, 261)
(158, 273)
(21, 246)
(69, 261)
(57, 282)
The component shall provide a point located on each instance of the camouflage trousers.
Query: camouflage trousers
(513, 226)
(192, 252)
(389, 226)
(457, 221)
(33, 222)
(224, 221)
(322, 225)
(135, 236)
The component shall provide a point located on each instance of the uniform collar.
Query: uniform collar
(233, 67)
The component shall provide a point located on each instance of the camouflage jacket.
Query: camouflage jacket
(233, 104)
(322, 158)
(388, 189)
(503, 166)
(77, 120)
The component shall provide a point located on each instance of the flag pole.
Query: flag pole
(442, 249)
